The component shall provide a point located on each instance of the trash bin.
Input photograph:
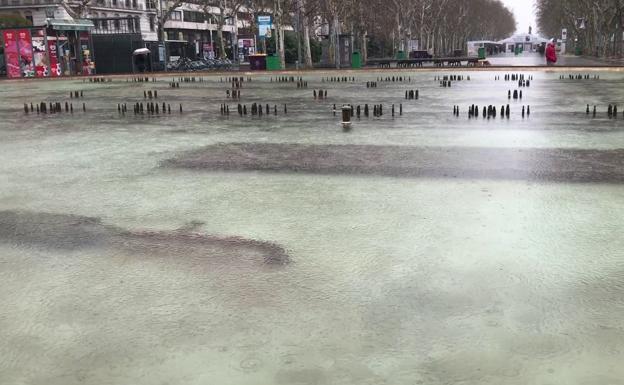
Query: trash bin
(257, 62)
(356, 60)
(482, 53)
(401, 55)
(578, 51)
(273, 63)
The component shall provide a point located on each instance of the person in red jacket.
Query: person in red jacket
(551, 53)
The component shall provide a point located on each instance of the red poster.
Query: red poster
(55, 67)
(11, 54)
(40, 56)
(87, 63)
(26, 53)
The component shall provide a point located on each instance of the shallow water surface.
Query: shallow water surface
(265, 268)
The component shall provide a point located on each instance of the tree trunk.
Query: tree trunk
(305, 26)
(220, 25)
(364, 50)
(279, 32)
(331, 49)
(222, 53)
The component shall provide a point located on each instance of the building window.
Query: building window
(28, 16)
(116, 22)
(127, 3)
(194, 17)
(176, 15)
(130, 22)
(134, 4)
(114, 3)
(151, 23)
(137, 24)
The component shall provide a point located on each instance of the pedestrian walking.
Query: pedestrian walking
(551, 53)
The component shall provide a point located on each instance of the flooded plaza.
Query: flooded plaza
(420, 248)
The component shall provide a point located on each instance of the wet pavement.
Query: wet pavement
(535, 59)
(424, 248)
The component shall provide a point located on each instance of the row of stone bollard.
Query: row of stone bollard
(99, 80)
(454, 78)
(524, 83)
(234, 94)
(320, 95)
(395, 79)
(612, 111)
(302, 84)
(150, 94)
(445, 83)
(411, 95)
(371, 84)
(528, 111)
(75, 94)
(516, 77)
(255, 110)
(285, 79)
(579, 77)
(237, 84)
(516, 94)
(239, 79)
(488, 112)
(188, 79)
(358, 110)
(339, 79)
(140, 80)
(152, 108)
(174, 85)
(52, 108)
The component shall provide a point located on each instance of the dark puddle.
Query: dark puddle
(71, 232)
(558, 165)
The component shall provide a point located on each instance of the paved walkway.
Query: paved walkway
(535, 59)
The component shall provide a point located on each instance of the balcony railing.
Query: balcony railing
(119, 4)
(19, 3)
(116, 25)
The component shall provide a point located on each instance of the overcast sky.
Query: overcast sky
(524, 12)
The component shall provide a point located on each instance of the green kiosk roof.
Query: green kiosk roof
(70, 25)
